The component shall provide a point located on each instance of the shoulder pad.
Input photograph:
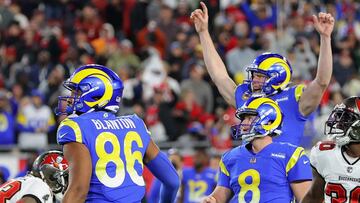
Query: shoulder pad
(69, 131)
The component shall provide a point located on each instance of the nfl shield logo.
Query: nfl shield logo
(349, 169)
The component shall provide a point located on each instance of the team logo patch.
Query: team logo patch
(349, 169)
(245, 96)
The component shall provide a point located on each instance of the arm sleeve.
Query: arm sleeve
(154, 192)
(298, 167)
(162, 168)
(223, 175)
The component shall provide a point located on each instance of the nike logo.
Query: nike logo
(305, 162)
(62, 135)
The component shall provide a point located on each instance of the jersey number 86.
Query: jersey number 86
(114, 157)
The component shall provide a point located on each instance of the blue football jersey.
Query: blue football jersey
(117, 146)
(265, 176)
(197, 185)
(288, 101)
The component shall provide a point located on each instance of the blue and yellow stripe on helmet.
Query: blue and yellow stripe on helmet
(270, 61)
(254, 104)
(80, 75)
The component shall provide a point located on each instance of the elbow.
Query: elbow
(174, 183)
(307, 110)
(322, 83)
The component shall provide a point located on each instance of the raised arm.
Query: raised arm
(313, 93)
(214, 65)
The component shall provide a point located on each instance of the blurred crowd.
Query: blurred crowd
(154, 48)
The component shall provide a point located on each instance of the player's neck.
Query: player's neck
(260, 143)
(353, 150)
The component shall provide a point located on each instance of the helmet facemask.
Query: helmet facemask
(56, 178)
(68, 104)
(237, 130)
(343, 126)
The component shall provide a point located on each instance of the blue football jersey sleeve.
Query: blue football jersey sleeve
(223, 173)
(295, 93)
(298, 166)
(69, 131)
(242, 94)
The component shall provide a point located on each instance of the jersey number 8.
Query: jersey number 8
(253, 186)
(114, 157)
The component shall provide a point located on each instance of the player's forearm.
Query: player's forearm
(312, 95)
(325, 64)
(214, 64)
(216, 68)
(170, 179)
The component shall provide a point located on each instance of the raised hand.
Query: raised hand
(200, 18)
(324, 24)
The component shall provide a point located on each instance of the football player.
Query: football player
(47, 179)
(198, 181)
(107, 153)
(270, 75)
(336, 165)
(262, 170)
